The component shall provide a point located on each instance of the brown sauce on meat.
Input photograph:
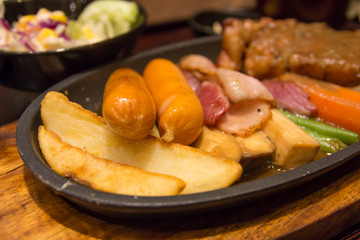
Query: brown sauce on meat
(312, 49)
(321, 52)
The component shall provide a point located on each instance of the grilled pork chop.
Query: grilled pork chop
(277, 46)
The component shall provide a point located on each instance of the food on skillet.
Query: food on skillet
(257, 150)
(247, 125)
(85, 130)
(180, 115)
(251, 110)
(215, 160)
(294, 147)
(335, 104)
(251, 152)
(212, 97)
(267, 48)
(49, 30)
(128, 107)
(103, 174)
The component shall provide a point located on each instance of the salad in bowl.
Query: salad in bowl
(50, 30)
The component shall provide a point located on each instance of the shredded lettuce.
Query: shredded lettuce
(116, 16)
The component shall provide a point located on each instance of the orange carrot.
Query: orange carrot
(335, 104)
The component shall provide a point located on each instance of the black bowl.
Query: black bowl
(37, 71)
(202, 22)
(87, 89)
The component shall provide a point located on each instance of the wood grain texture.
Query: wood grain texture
(9, 159)
(319, 210)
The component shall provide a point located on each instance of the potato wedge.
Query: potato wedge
(102, 174)
(294, 147)
(218, 143)
(81, 128)
(257, 149)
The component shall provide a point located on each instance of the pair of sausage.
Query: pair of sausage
(133, 103)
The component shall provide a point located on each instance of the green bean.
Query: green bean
(327, 144)
(346, 136)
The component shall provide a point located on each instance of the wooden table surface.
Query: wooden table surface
(321, 209)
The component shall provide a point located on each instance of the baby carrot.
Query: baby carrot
(335, 104)
(345, 136)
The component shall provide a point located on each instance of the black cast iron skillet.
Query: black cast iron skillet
(87, 89)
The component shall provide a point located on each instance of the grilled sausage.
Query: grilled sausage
(128, 106)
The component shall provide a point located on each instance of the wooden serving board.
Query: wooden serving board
(319, 210)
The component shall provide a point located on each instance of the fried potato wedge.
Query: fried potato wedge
(218, 143)
(294, 147)
(102, 174)
(82, 128)
(257, 149)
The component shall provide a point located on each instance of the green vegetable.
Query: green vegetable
(347, 137)
(73, 30)
(327, 144)
(117, 16)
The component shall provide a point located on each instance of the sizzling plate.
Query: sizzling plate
(87, 89)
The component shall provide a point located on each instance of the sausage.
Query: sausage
(128, 106)
(180, 115)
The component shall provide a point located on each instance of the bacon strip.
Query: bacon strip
(214, 102)
(217, 87)
(245, 117)
(193, 81)
(198, 64)
(290, 96)
(239, 87)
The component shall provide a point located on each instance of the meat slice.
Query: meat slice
(273, 47)
(233, 45)
(238, 86)
(235, 39)
(198, 64)
(214, 102)
(321, 52)
(245, 117)
(212, 97)
(193, 81)
(267, 54)
(291, 97)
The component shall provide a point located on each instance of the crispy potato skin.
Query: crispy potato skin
(294, 147)
(128, 106)
(179, 111)
(219, 144)
(103, 174)
(81, 128)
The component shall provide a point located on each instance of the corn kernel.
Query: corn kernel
(59, 16)
(44, 34)
(27, 18)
